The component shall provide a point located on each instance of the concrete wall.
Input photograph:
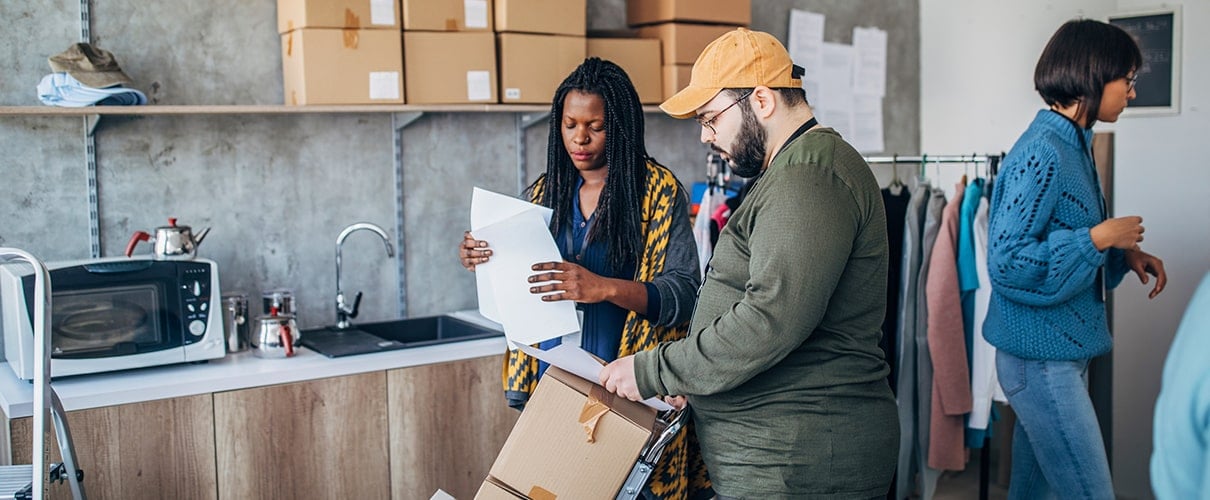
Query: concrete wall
(977, 82)
(278, 189)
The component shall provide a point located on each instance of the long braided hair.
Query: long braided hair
(618, 214)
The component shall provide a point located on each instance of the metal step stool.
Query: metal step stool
(33, 481)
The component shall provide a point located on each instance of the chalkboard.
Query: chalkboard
(1158, 35)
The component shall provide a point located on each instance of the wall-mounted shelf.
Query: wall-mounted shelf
(275, 109)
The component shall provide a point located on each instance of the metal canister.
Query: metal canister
(236, 322)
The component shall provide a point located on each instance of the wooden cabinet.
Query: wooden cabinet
(318, 439)
(398, 434)
(448, 422)
(152, 450)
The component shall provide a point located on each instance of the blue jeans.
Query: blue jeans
(1057, 446)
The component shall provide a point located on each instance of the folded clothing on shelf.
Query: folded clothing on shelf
(84, 76)
(61, 89)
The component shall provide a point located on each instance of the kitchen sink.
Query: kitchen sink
(391, 335)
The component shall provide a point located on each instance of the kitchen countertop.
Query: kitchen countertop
(236, 371)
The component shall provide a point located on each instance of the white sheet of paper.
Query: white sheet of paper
(580, 363)
(870, 59)
(806, 39)
(867, 124)
(834, 105)
(518, 243)
(487, 208)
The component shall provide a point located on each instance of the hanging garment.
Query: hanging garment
(701, 228)
(896, 215)
(985, 385)
(905, 358)
(915, 367)
(968, 280)
(951, 389)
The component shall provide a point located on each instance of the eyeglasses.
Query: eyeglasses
(709, 123)
(1130, 81)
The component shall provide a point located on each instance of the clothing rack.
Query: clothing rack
(993, 162)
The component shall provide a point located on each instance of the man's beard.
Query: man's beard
(748, 155)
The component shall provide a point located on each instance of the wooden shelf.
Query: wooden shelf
(277, 109)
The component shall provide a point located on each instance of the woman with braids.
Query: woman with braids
(621, 222)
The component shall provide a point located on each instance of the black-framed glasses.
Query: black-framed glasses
(709, 123)
(1130, 81)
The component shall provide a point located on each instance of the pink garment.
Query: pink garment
(947, 347)
(721, 215)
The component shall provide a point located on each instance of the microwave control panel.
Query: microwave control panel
(195, 292)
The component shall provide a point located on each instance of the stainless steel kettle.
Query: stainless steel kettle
(172, 242)
(276, 337)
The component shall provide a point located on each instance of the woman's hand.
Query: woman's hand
(472, 252)
(1143, 263)
(1120, 232)
(575, 282)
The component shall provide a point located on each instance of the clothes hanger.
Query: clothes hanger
(896, 186)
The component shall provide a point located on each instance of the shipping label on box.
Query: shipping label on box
(729, 12)
(433, 77)
(552, 17)
(533, 66)
(342, 66)
(447, 15)
(639, 57)
(574, 440)
(681, 42)
(354, 14)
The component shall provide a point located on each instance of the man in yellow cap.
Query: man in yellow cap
(781, 366)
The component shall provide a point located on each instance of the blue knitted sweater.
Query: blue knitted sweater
(1046, 295)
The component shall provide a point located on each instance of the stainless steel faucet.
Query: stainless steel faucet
(344, 311)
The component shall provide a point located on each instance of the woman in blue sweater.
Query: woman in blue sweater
(1052, 254)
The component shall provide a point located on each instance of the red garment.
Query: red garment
(720, 215)
(947, 347)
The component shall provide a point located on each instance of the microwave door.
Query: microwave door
(112, 321)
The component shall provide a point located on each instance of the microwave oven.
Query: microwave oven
(115, 313)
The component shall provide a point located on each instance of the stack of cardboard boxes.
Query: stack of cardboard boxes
(684, 28)
(541, 41)
(449, 52)
(483, 51)
(345, 52)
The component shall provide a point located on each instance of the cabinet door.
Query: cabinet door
(152, 450)
(448, 422)
(318, 439)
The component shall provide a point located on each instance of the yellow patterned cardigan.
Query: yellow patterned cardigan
(680, 472)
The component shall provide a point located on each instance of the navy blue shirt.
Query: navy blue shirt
(603, 321)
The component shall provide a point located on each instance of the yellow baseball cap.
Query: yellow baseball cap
(738, 59)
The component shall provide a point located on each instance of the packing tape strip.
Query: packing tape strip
(596, 405)
(540, 493)
(351, 30)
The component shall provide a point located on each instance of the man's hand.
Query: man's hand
(618, 378)
(1143, 263)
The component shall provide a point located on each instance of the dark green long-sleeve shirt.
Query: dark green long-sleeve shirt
(782, 366)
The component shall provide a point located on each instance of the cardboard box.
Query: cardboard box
(676, 77)
(533, 66)
(339, 66)
(432, 76)
(447, 15)
(296, 14)
(491, 489)
(549, 452)
(682, 43)
(730, 12)
(640, 57)
(552, 17)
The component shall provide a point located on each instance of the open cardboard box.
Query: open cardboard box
(574, 440)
